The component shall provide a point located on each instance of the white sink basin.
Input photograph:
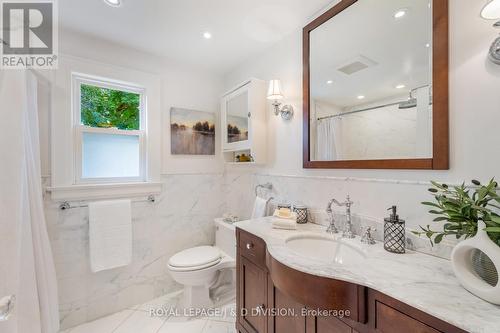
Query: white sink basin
(324, 248)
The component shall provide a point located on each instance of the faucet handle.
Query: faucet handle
(367, 237)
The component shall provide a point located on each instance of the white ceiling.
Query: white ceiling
(368, 29)
(174, 28)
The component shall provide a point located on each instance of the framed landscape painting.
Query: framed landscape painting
(192, 132)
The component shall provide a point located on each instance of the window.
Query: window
(109, 131)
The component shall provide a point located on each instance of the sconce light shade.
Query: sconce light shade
(492, 10)
(274, 91)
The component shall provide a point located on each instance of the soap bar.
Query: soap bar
(284, 212)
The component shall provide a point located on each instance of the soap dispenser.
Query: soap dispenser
(394, 232)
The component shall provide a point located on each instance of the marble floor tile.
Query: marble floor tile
(224, 313)
(213, 326)
(184, 325)
(165, 302)
(105, 325)
(139, 321)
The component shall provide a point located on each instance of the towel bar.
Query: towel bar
(66, 205)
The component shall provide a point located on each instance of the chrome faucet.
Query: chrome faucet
(347, 232)
(368, 237)
(332, 229)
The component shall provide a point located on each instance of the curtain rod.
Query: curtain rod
(357, 111)
(373, 107)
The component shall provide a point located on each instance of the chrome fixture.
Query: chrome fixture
(332, 229)
(267, 186)
(492, 12)
(367, 237)
(347, 232)
(6, 306)
(411, 102)
(113, 3)
(65, 205)
(495, 50)
(274, 93)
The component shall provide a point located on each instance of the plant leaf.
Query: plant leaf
(438, 238)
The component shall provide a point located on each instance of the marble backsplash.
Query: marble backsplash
(181, 217)
(371, 201)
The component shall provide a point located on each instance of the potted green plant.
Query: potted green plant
(471, 214)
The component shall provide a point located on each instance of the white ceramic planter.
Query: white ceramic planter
(461, 259)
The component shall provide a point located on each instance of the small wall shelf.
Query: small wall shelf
(243, 122)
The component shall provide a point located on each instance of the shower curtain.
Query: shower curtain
(326, 143)
(26, 263)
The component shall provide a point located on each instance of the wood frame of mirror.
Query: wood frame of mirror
(440, 125)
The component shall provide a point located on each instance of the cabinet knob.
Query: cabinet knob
(249, 246)
(249, 114)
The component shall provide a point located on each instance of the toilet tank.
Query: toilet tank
(225, 237)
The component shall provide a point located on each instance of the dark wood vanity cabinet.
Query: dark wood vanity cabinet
(273, 298)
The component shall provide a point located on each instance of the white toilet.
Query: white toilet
(197, 268)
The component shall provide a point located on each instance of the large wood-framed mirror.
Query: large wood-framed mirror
(375, 86)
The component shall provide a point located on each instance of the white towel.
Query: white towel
(259, 208)
(110, 234)
(287, 224)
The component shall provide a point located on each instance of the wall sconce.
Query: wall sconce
(274, 93)
(492, 12)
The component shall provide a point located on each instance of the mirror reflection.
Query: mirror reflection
(371, 82)
(237, 118)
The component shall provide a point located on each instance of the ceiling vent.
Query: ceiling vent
(357, 64)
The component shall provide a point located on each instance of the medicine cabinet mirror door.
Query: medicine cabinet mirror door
(236, 120)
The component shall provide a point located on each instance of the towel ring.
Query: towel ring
(267, 186)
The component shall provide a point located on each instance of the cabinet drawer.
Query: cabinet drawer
(390, 320)
(253, 248)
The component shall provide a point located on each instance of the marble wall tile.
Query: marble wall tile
(182, 217)
(371, 201)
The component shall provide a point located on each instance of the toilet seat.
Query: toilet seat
(195, 258)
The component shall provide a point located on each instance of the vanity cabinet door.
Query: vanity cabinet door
(252, 296)
(390, 320)
(288, 317)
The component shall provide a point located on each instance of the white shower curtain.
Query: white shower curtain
(26, 263)
(326, 143)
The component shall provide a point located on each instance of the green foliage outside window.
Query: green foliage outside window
(107, 108)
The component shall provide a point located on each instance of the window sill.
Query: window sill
(104, 191)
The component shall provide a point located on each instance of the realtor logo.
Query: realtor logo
(29, 34)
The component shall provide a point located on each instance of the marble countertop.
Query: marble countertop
(419, 280)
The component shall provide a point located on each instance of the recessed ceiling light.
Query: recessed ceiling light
(400, 13)
(329, 82)
(207, 35)
(361, 97)
(400, 86)
(113, 3)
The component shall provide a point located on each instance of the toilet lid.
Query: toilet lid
(196, 256)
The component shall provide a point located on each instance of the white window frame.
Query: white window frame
(79, 129)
